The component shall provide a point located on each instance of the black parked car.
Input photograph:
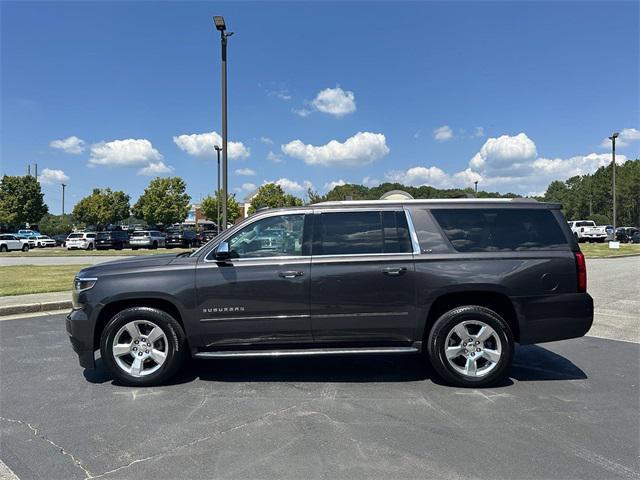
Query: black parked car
(117, 239)
(181, 238)
(625, 234)
(461, 280)
(60, 240)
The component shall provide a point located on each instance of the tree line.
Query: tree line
(165, 201)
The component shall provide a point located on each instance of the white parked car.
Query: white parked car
(44, 241)
(146, 239)
(81, 240)
(10, 242)
(587, 231)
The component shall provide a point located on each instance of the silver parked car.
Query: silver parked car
(146, 239)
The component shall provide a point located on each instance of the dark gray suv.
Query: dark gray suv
(460, 280)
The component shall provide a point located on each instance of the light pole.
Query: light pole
(218, 150)
(63, 187)
(222, 28)
(476, 183)
(613, 166)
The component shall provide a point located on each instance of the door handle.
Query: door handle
(394, 271)
(290, 274)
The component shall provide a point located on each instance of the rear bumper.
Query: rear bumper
(80, 329)
(554, 317)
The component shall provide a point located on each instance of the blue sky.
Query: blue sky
(512, 94)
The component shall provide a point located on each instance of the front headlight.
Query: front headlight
(81, 284)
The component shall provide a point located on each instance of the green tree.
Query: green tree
(272, 196)
(164, 201)
(56, 224)
(21, 200)
(102, 207)
(209, 206)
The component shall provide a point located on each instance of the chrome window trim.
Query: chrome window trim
(412, 232)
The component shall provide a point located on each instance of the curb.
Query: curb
(35, 307)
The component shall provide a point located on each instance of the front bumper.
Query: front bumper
(549, 318)
(80, 329)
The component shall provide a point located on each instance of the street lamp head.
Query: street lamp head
(218, 20)
(217, 147)
(614, 135)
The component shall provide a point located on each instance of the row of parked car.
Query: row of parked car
(588, 231)
(111, 239)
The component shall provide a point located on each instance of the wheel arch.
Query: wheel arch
(499, 302)
(110, 309)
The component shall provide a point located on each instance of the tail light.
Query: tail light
(581, 266)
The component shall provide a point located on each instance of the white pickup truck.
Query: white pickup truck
(587, 231)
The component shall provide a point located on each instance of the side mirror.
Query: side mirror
(222, 252)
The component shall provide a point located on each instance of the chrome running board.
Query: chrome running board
(304, 352)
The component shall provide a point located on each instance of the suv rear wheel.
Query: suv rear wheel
(142, 346)
(25, 247)
(471, 346)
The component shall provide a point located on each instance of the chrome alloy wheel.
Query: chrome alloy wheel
(473, 348)
(140, 348)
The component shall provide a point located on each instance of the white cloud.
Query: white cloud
(247, 172)
(416, 176)
(124, 152)
(73, 145)
(52, 176)
(154, 169)
(248, 187)
(202, 145)
(506, 164)
(478, 132)
(507, 154)
(282, 94)
(443, 133)
(291, 186)
(360, 149)
(274, 157)
(301, 112)
(335, 101)
(370, 182)
(266, 140)
(626, 136)
(333, 184)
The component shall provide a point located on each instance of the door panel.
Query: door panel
(261, 293)
(358, 300)
(362, 277)
(261, 301)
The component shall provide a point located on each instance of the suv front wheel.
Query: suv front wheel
(471, 346)
(142, 346)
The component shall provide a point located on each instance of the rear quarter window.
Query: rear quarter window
(498, 230)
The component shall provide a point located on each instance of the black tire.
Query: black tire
(155, 245)
(4, 248)
(25, 247)
(436, 346)
(134, 248)
(90, 247)
(176, 348)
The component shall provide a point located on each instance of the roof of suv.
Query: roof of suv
(458, 202)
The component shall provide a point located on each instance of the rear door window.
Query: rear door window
(495, 230)
(353, 233)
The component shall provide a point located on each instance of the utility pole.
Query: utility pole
(36, 171)
(29, 170)
(63, 187)
(613, 167)
(476, 183)
(218, 150)
(222, 28)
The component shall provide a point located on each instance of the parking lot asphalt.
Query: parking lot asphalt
(570, 410)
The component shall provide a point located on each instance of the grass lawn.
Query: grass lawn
(63, 252)
(601, 250)
(20, 280)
